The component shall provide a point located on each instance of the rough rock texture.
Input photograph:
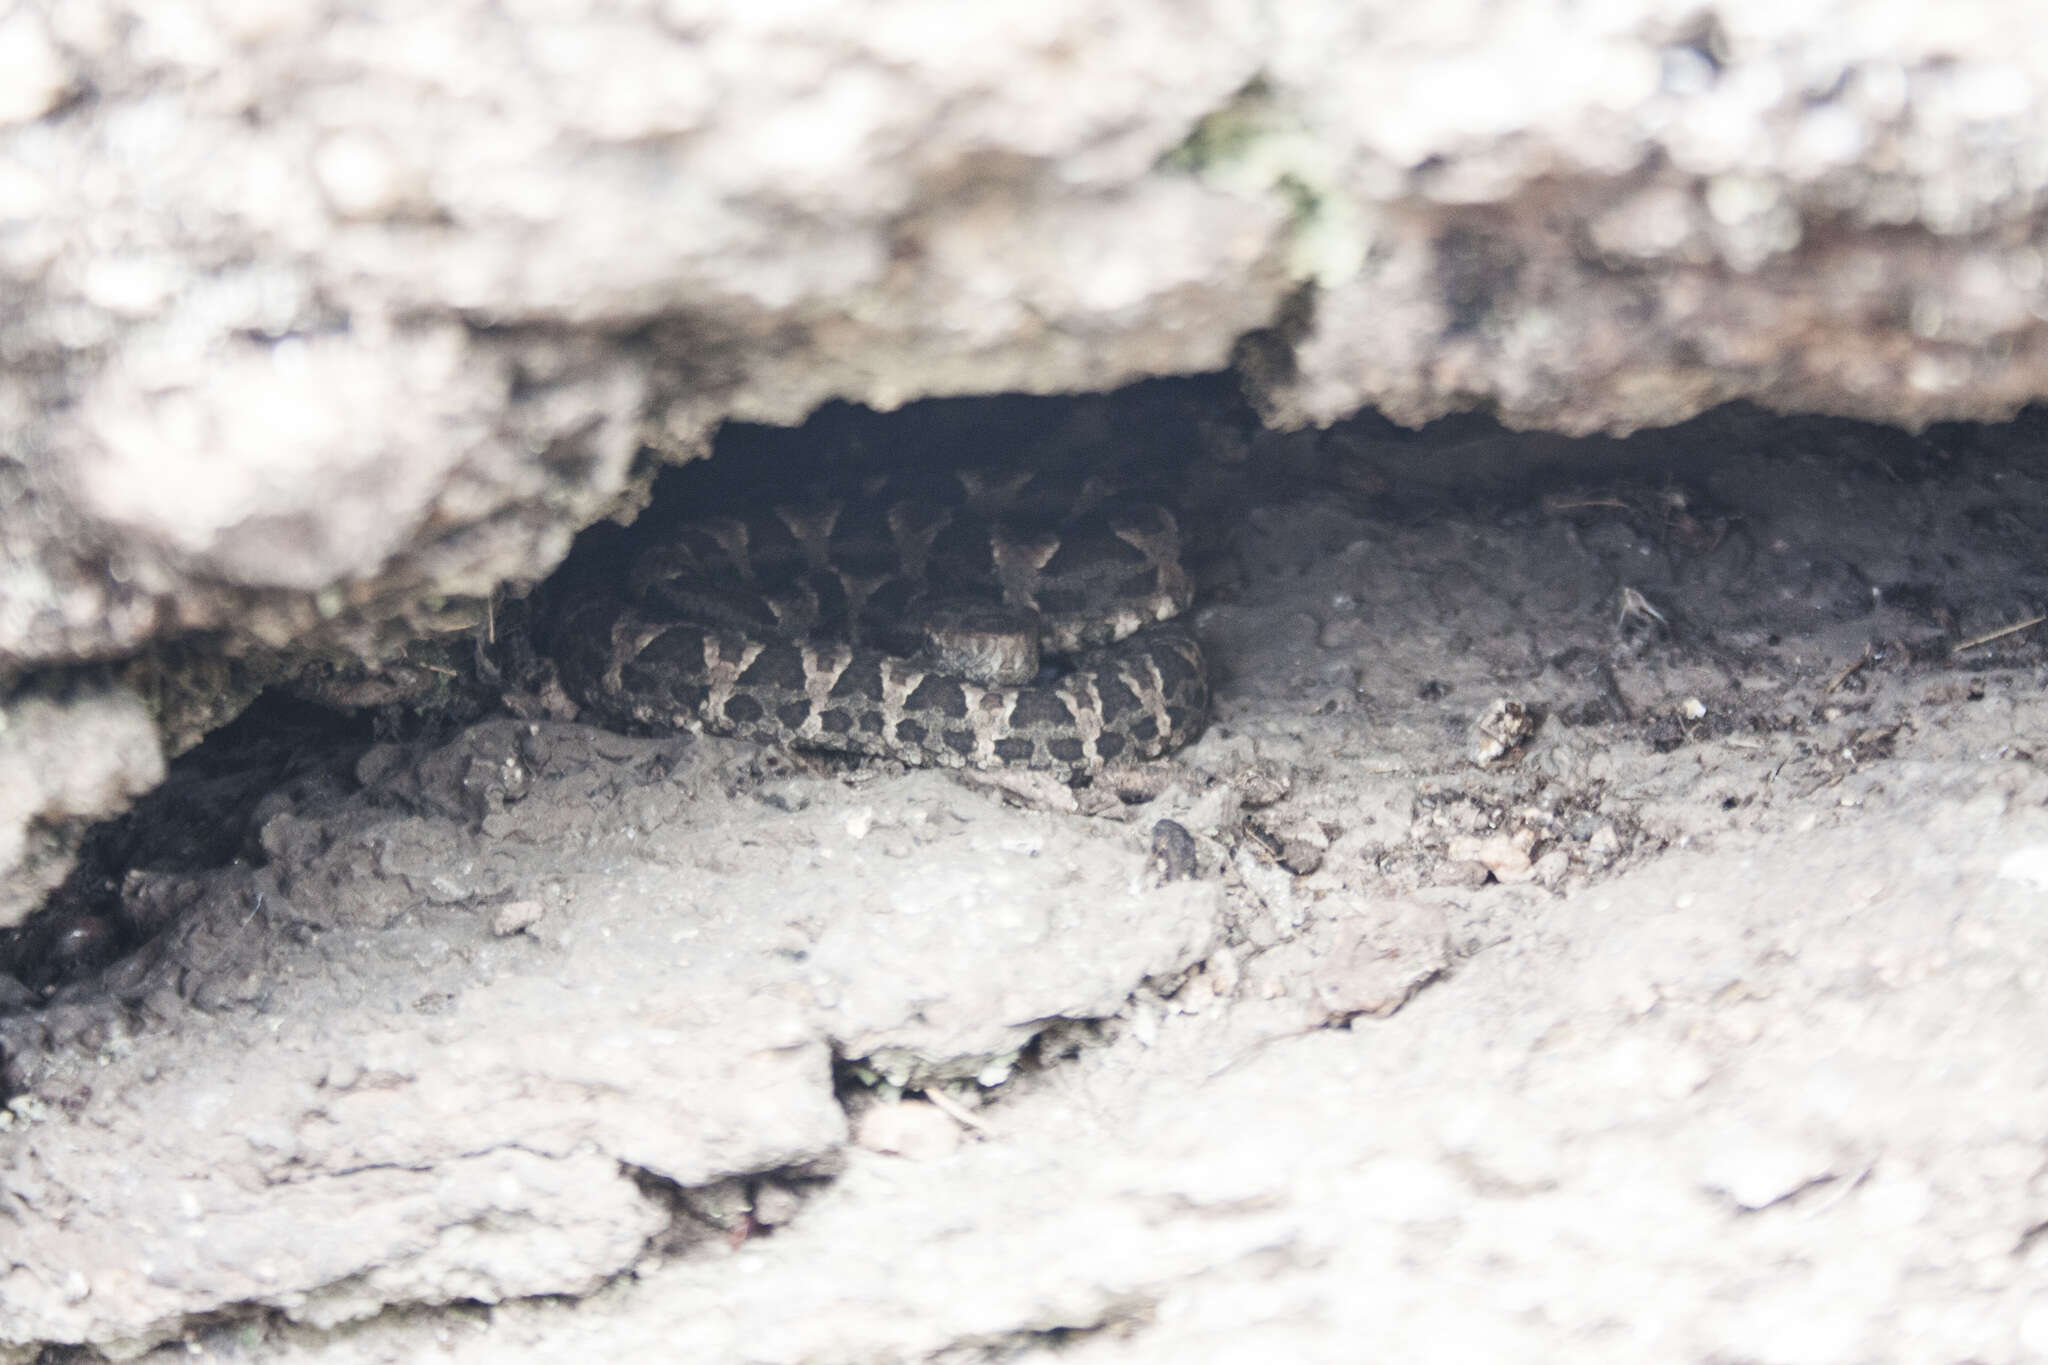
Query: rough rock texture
(318, 324)
(360, 1036)
(1614, 216)
(1701, 1026)
(350, 302)
(1698, 1130)
(364, 297)
(65, 762)
(322, 321)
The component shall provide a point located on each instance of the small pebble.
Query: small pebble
(1551, 868)
(1501, 731)
(1173, 853)
(1506, 856)
(515, 916)
(1468, 874)
(775, 1204)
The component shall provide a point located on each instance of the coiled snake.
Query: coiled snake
(970, 618)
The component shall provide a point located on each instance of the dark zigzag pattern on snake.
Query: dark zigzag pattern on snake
(785, 627)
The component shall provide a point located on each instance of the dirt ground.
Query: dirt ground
(1618, 931)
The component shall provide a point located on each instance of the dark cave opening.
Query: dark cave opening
(1688, 500)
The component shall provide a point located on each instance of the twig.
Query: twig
(1636, 607)
(1847, 673)
(1999, 634)
(956, 1111)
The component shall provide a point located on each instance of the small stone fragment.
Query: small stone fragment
(1506, 856)
(1467, 873)
(1305, 844)
(1261, 784)
(775, 1203)
(724, 1204)
(1501, 731)
(1173, 853)
(515, 916)
(1550, 869)
(1298, 846)
(1300, 859)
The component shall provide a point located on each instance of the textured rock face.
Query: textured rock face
(375, 302)
(63, 764)
(322, 321)
(1615, 216)
(474, 1098)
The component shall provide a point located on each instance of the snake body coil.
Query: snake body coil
(992, 625)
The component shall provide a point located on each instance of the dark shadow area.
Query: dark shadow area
(1721, 539)
(207, 813)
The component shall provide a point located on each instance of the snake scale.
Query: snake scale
(966, 618)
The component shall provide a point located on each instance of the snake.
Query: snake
(973, 618)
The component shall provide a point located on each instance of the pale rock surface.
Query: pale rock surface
(324, 321)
